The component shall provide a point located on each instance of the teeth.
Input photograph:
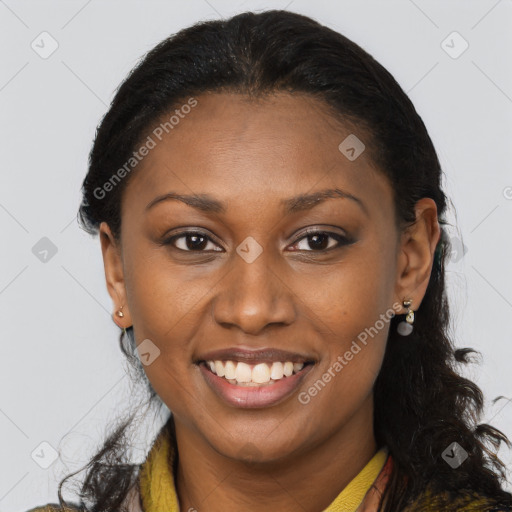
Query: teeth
(262, 373)
(288, 368)
(219, 368)
(277, 371)
(242, 372)
(229, 370)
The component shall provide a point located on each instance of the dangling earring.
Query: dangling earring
(405, 328)
(119, 312)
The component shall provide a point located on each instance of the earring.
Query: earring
(119, 313)
(405, 328)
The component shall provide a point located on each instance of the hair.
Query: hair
(422, 403)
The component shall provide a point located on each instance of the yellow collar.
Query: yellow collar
(158, 492)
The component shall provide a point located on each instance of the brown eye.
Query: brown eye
(193, 241)
(318, 241)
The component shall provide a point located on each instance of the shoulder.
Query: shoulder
(131, 502)
(462, 501)
(54, 507)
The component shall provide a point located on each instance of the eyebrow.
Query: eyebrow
(302, 202)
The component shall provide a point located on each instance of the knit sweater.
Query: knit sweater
(158, 492)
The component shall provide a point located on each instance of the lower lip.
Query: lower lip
(252, 397)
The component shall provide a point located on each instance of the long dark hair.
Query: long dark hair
(422, 402)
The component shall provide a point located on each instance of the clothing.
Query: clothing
(157, 488)
(158, 491)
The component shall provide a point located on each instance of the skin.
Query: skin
(250, 155)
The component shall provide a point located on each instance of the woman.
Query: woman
(271, 221)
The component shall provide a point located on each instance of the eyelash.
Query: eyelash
(342, 240)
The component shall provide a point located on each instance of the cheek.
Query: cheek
(351, 308)
(350, 296)
(165, 309)
(162, 295)
(352, 357)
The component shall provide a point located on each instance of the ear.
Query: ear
(416, 253)
(114, 275)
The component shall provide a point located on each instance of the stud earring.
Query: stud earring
(119, 312)
(405, 328)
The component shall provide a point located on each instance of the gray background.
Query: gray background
(62, 377)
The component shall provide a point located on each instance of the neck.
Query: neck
(207, 480)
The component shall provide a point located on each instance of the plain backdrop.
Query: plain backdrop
(62, 374)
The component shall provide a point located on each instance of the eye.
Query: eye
(319, 240)
(193, 241)
(197, 241)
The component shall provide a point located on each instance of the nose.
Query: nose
(253, 296)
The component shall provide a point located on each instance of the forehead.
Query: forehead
(259, 151)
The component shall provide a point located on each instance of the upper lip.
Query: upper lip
(254, 355)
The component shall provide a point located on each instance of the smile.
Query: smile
(253, 385)
(243, 374)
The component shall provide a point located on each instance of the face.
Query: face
(257, 275)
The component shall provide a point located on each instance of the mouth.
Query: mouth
(256, 378)
(240, 373)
